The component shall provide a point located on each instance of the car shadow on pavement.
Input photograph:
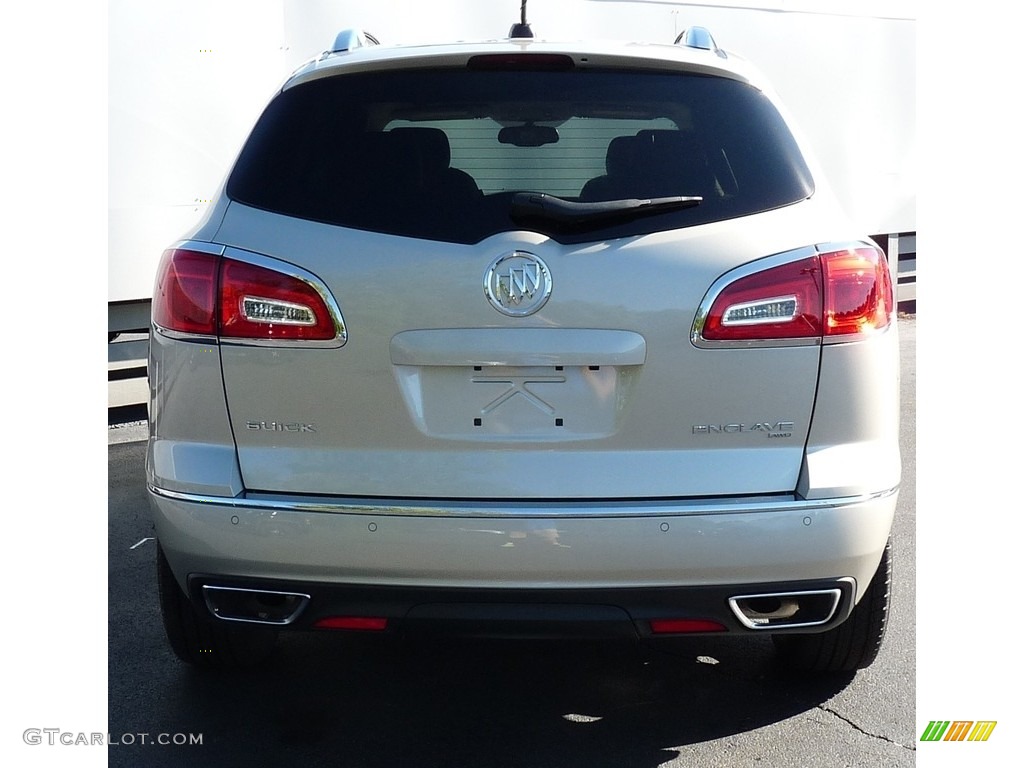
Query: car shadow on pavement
(329, 700)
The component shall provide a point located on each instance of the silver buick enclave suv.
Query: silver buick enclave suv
(525, 338)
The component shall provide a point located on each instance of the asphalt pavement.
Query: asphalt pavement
(324, 700)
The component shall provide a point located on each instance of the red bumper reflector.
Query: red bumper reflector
(368, 623)
(682, 626)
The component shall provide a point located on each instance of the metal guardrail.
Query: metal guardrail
(126, 370)
(905, 245)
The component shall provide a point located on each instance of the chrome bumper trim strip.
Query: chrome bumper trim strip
(512, 509)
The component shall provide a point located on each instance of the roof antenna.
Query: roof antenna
(522, 29)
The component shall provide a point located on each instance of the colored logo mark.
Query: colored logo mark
(958, 730)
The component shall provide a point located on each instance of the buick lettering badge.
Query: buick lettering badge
(517, 284)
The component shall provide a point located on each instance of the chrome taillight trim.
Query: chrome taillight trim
(199, 246)
(513, 509)
(751, 268)
(849, 337)
(213, 249)
(182, 336)
(314, 282)
(275, 265)
(787, 257)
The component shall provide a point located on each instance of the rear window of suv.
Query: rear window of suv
(440, 154)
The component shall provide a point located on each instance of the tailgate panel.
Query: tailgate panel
(599, 394)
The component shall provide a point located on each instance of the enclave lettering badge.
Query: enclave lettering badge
(776, 429)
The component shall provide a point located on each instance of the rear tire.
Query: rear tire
(196, 639)
(852, 645)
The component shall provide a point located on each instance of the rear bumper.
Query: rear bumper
(512, 612)
(587, 563)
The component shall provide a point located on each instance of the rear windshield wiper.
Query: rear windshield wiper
(549, 207)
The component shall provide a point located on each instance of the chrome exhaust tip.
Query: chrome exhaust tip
(255, 606)
(777, 610)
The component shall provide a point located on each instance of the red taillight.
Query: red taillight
(365, 623)
(834, 293)
(206, 294)
(260, 303)
(186, 290)
(685, 626)
(782, 302)
(858, 291)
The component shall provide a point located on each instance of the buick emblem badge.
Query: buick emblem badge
(517, 284)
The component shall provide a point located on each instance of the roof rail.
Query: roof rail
(350, 39)
(699, 37)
